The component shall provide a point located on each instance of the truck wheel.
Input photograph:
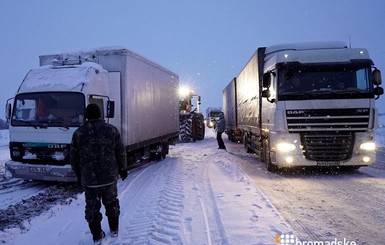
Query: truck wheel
(266, 157)
(271, 167)
(185, 133)
(246, 145)
(199, 126)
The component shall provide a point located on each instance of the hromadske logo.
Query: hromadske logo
(285, 239)
(290, 239)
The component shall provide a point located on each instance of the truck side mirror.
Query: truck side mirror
(266, 80)
(266, 93)
(378, 91)
(377, 77)
(110, 109)
(8, 111)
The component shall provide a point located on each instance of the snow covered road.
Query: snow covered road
(197, 195)
(323, 205)
(202, 195)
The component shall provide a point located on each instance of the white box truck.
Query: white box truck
(309, 104)
(136, 95)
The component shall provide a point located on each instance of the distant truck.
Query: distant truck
(212, 116)
(307, 104)
(230, 110)
(136, 95)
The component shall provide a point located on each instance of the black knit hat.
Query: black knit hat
(92, 112)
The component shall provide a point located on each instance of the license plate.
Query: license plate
(328, 163)
(37, 170)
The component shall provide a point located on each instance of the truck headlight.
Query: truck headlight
(285, 147)
(368, 146)
(16, 153)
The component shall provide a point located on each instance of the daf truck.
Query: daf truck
(136, 95)
(309, 104)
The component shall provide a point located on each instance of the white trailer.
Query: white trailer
(138, 96)
(309, 104)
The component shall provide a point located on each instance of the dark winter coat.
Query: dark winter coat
(221, 124)
(97, 153)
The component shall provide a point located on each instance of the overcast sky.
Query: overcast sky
(206, 42)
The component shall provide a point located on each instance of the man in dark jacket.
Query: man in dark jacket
(220, 128)
(98, 157)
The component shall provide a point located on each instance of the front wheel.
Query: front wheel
(271, 167)
(266, 157)
(246, 144)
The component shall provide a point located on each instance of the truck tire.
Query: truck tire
(185, 129)
(200, 127)
(246, 144)
(266, 157)
(271, 167)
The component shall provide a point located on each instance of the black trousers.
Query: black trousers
(221, 144)
(95, 196)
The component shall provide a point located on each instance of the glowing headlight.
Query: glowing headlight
(366, 159)
(368, 146)
(289, 160)
(285, 147)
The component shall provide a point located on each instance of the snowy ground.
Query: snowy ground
(202, 195)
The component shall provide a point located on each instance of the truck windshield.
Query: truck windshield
(53, 109)
(324, 83)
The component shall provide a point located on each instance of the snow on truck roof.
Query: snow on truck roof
(94, 54)
(306, 46)
(63, 78)
(313, 52)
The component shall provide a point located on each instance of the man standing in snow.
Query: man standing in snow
(220, 128)
(98, 157)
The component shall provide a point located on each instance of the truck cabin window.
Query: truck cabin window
(324, 83)
(53, 109)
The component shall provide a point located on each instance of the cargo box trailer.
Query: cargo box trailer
(136, 95)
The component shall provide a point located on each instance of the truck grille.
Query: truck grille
(328, 120)
(327, 146)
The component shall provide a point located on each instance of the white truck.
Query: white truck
(138, 96)
(309, 104)
(212, 116)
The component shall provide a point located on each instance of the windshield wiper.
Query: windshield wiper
(29, 123)
(350, 91)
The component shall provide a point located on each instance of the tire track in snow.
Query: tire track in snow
(203, 212)
(154, 197)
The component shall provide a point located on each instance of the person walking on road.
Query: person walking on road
(220, 128)
(98, 158)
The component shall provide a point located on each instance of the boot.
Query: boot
(113, 222)
(97, 232)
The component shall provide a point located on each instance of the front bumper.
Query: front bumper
(40, 172)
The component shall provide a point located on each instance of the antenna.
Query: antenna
(350, 42)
